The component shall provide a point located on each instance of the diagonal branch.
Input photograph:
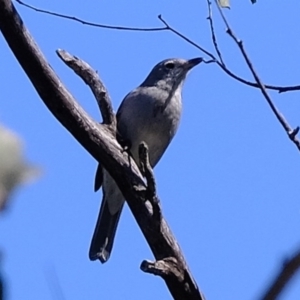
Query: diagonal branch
(288, 270)
(101, 145)
(288, 129)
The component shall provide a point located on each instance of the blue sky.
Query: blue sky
(229, 182)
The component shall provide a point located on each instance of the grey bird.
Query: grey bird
(150, 113)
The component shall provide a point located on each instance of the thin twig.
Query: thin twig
(289, 130)
(185, 38)
(288, 270)
(220, 63)
(222, 15)
(280, 89)
(87, 22)
(213, 35)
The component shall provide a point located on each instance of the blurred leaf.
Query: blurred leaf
(224, 3)
(253, 1)
(14, 170)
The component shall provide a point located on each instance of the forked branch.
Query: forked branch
(291, 132)
(98, 141)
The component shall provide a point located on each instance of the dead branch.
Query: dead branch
(151, 184)
(280, 89)
(219, 62)
(100, 144)
(75, 19)
(291, 132)
(92, 79)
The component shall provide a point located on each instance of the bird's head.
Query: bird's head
(170, 73)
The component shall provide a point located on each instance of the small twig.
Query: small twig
(294, 132)
(288, 270)
(146, 168)
(220, 63)
(185, 38)
(87, 22)
(92, 79)
(222, 15)
(289, 130)
(280, 89)
(169, 268)
(149, 175)
(165, 267)
(213, 35)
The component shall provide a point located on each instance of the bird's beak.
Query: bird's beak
(193, 62)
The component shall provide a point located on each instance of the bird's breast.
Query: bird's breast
(144, 116)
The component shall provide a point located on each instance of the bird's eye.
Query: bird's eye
(170, 65)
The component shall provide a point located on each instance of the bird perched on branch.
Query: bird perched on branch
(149, 113)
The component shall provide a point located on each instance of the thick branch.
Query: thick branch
(99, 142)
(92, 79)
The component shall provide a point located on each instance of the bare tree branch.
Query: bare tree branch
(114, 27)
(280, 89)
(151, 184)
(219, 62)
(164, 267)
(289, 269)
(101, 144)
(213, 35)
(92, 79)
(288, 129)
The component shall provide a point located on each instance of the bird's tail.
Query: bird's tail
(104, 234)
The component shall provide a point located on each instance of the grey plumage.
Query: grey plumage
(150, 113)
